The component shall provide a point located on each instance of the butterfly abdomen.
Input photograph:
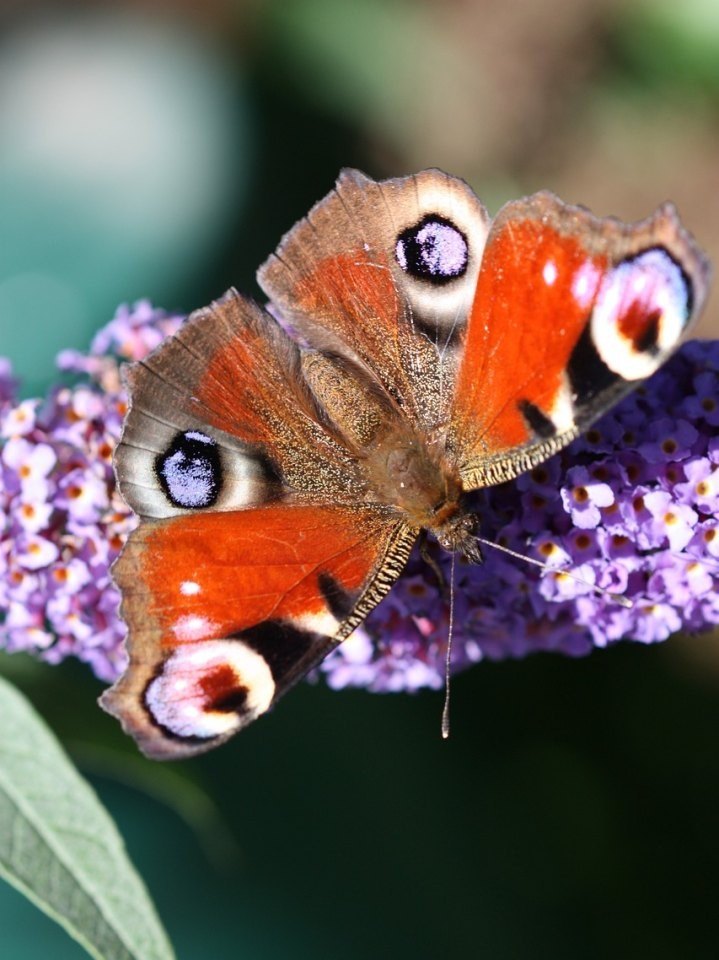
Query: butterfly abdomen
(415, 477)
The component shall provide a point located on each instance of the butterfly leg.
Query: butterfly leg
(425, 552)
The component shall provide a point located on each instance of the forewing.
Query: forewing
(570, 313)
(226, 611)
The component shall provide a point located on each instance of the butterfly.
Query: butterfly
(283, 461)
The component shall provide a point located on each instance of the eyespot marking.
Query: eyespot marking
(209, 689)
(434, 250)
(640, 311)
(189, 471)
(222, 691)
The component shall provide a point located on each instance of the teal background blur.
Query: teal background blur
(161, 149)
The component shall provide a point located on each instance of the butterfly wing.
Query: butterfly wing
(258, 551)
(383, 274)
(226, 611)
(570, 313)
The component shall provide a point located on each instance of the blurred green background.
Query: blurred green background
(161, 149)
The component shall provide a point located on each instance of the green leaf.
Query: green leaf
(673, 44)
(60, 848)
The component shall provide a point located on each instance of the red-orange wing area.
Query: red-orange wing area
(242, 379)
(211, 575)
(525, 321)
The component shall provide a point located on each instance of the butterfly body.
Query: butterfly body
(283, 463)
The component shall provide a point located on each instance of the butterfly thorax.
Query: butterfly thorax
(414, 474)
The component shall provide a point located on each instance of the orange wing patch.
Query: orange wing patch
(534, 295)
(214, 575)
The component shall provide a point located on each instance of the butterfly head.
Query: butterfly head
(458, 534)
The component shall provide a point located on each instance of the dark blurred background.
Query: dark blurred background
(161, 149)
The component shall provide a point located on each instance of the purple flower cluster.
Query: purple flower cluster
(62, 522)
(632, 506)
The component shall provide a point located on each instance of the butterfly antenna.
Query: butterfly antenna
(448, 659)
(616, 597)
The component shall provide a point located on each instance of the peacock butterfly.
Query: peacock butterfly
(284, 468)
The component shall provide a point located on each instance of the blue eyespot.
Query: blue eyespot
(189, 470)
(433, 250)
